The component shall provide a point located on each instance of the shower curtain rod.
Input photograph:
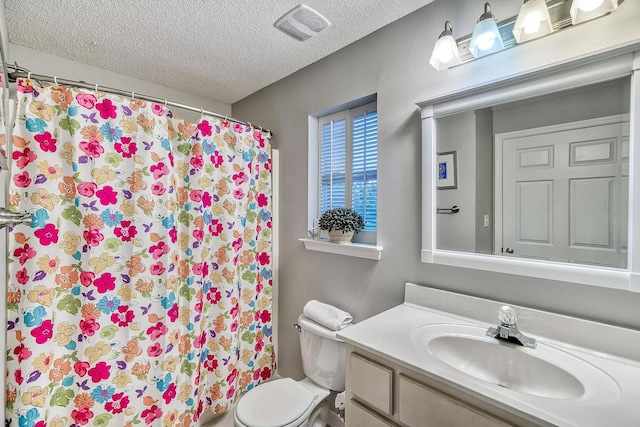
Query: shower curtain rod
(15, 75)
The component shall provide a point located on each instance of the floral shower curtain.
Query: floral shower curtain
(141, 293)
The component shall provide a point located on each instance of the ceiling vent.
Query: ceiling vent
(302, 23)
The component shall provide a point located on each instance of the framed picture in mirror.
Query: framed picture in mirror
(447, 171)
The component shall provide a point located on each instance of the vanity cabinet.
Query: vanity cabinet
(421, 405)
(382, 393)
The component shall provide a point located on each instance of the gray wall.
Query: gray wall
(600, 100)
(45, 63)
(393, 62)
(484, 178)
(458, 231)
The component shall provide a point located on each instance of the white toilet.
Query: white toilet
(288, 403)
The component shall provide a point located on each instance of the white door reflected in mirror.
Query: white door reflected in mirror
(565, 192)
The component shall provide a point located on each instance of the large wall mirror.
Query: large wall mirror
(532, 176)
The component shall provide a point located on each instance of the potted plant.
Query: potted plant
(341, 223)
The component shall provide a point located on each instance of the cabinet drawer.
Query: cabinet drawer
(422, 406)
(361, 416)
(372, 383)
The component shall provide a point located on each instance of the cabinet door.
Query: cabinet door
(422, 406)
(372, 383)
(361, 416)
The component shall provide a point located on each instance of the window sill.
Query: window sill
(358, 250)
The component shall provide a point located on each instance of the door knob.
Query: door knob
(509, 250)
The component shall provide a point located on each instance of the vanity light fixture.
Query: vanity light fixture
(536, 19)
(486, 37)
(533, 21)
(445, 52)
(586, 10)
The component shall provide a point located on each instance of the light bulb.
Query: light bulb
(586, 10)
(531, 24)
(444, 55)
(533, 21)
(486, 38)
(486, 41)
(590, 5)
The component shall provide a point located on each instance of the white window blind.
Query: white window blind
(349, 162)
(333, 165)
(364, 167)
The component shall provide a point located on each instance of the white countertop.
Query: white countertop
(389, 335)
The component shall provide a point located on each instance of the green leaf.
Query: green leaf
(187, 292)
(248, 337)
(102, 420)
(187, 368)
(251, 216)
(265, 233)
(70, 125)
(249, 276)
(185, 149)
(112, 244)
(108, 332)
(69, 304)
(61, 397)
(114, 159)
(72, 214)
(185, 218)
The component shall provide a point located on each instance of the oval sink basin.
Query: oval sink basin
(501, 364)
(544, 371)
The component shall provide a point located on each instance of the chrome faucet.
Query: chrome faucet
(508, 330)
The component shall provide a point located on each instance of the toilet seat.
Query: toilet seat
(275, 404)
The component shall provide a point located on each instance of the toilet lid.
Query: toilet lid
(274, 403)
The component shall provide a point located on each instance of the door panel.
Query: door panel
(565, 195)
(535, 212)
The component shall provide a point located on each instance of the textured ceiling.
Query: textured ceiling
(220, 49)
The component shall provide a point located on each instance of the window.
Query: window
(348, 162)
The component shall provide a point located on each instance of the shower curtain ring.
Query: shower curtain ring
(201, 113)
(165, 103)
(29, 75)
(96, 87)
(249, 124)
(133, 95)
(55, 80)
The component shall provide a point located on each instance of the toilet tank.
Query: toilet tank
(323, 354)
